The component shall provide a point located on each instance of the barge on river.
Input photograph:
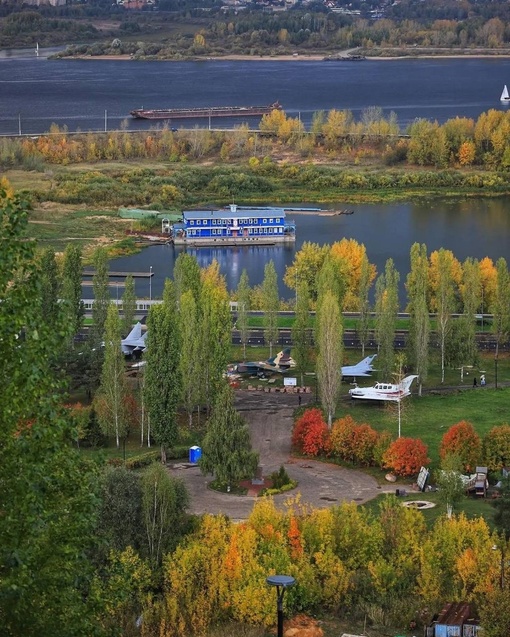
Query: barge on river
(211, 111)
(233, 227)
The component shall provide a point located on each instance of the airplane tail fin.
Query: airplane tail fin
(280, 358)
(407, 382)
(135, 333)
(367, 361)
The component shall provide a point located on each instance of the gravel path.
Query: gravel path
(320, 485)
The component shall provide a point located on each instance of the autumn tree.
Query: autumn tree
(306, 267)
(271, 305)
(351, 257)
(405, 456)
(329, 358)
(419, 319)
(226, 448)
(462, 440)
(386, 307)
(496, 448)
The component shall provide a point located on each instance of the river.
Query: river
(79, 93)
(89, 94)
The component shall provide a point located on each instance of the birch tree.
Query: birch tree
(386, 307)
(243, 307)
(419, 318)
(113, 390)
(270, 305)
(330, 350)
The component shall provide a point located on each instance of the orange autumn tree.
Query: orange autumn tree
(352, 441)
(311, 435)
(405, 456)
(461, 439)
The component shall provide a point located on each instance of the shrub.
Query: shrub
(143, 460)
(301, 426)
(462, 440)
(342, 434)
(496, 448)
(384, 440)
(280, 478)
(353, 442)
(405, 456)
(316, 439)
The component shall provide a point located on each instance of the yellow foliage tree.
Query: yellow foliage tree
(349, 255)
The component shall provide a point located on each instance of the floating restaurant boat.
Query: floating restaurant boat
(233, 227)
(211, 111)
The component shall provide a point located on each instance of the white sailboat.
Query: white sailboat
(37, 51)
(505, 96)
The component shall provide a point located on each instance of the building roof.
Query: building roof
(244, 213)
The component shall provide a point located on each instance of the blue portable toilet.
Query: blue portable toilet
(195, 453)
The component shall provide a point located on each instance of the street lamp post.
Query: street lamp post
(281, 582)
(150, 283)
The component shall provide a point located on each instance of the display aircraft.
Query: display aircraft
(134, 343)
(383, 391)
(280, 363)
(363, 368)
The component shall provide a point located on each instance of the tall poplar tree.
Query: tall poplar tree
(162, 383)
(471, 291)
(270, 305)
(419, 319)
(301, 332)
(190, 352)
(101, 296)
(128, 305)
(226, 448)
(50, 286)
(386, 308)
(111, 403)
(444, 288)
(363, 303)
(501, 304)
(243, 307)
(329, 357)
(72, 270)
(187, 276)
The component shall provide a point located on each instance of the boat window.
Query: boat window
(271, 220)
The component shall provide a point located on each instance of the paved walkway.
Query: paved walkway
(320, 485)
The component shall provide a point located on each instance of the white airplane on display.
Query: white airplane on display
(384, 391)
(363, 368)
(134, 341)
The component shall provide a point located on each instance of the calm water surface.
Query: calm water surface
(470, 228)
(78, 92)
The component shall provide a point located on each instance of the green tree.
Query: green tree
(164, 502)
(187, 276)
(190, 354)
(128, 305)
(72, 269)
(449, 481)
(502, 506)
(501, 305)
(329, 358)
(110, 400)
(386, 308)
(102, 299)
(363, 303)
(162, 382)
(49, 491)
(471, 292)
(301, 330)
(226, 448)
(419, 323)
(49, 284)
(270, 305)
(243, 307)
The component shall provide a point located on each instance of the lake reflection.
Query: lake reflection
(470, 228)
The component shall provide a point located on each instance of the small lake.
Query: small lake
(470, 228)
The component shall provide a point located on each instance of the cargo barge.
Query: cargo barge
(233, 227)
(212, 111)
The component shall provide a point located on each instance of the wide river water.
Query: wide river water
(36, 92)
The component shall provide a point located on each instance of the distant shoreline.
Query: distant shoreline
(297, 58)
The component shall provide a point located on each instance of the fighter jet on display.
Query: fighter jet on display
(280, 363)
(134, 343)
(363, 368)
(383, 391)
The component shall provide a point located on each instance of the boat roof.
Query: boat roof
(234, 214)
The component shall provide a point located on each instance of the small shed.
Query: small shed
(456, 619)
